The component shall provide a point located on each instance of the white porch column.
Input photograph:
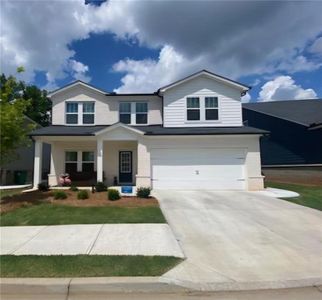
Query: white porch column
(99, 157)
(37, 163)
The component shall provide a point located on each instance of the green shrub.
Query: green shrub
(100, 187)
(43, 187)
(60, 195)
(113, 194)
(143, 192)
(73, 188)
(82, 194)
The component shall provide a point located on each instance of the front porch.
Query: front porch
(115, 156)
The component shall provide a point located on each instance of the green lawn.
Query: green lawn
(6, 193)
(84, 265)
(49, 214)
(310, 196)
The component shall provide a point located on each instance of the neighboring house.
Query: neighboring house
(295, 128)
(20, 170)
(187, 135)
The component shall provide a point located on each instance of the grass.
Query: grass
(6, 193)
(49, 214)
(310, 196)
(85, 265)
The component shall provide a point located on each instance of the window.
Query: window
(70, 161)
(193, 109)
(88, 161)
(134, 112)
(88, 112)
(211, 107)
(79, 161)
(80, 113)
(72, 113)
(141, 110)
(125, 112)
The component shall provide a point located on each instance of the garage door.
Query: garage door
(211, 168)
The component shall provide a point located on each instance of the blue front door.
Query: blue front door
(125, 167)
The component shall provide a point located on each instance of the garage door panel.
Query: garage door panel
(198, 168)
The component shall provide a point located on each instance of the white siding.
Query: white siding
(106, 107)
(230, 112)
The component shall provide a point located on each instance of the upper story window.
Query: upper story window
(141, 113)
(193, 109)
(134, 112)
(72, 113)
(81, 113)
(88, 112)
(202, 109)
(125, 112)
(211, 107)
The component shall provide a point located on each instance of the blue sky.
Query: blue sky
(139, 46)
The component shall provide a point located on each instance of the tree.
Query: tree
(13, 127)
(40, 105)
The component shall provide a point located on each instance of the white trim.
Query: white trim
(291, 166)
(205, 73)
(117, 125)
(76, 83)
(80, 112)
(133, 112)
(202, 111)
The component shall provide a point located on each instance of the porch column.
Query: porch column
(99, 162)
(37, 163)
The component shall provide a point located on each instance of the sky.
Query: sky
(140, 46)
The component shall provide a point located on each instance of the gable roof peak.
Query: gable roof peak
(75, 83)
(217, 77)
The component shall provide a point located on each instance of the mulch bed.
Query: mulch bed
(11, 203)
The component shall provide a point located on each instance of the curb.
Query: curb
(104, 285)
(244, 286)
(84, 285)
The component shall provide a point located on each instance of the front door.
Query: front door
(125, 167)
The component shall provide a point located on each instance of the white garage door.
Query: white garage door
(211, 168)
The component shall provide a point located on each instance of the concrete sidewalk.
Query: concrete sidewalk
(99, 239)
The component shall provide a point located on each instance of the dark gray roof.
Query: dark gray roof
(303, 112)
(60, 130)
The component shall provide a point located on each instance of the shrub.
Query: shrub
(60, 195)
(83, 194)
(113, 194)
(100, 187)
(73, 188)
(143, 192)
(43, 187)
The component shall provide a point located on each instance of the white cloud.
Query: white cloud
(316, 47)
(284, 88)
(246, 98)
(233, 39)
(79, 70)
(149, 75)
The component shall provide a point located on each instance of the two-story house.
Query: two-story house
(187, 135)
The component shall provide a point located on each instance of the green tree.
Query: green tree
(40, 105)
(13, 126)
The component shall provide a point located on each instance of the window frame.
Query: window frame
(193, 108)
(125, 113)
(133, 112)
(71, 113)
(80, 113)
(211, 108)
(80, 160)
(203, 109)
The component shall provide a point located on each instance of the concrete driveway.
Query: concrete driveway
(243, 240)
